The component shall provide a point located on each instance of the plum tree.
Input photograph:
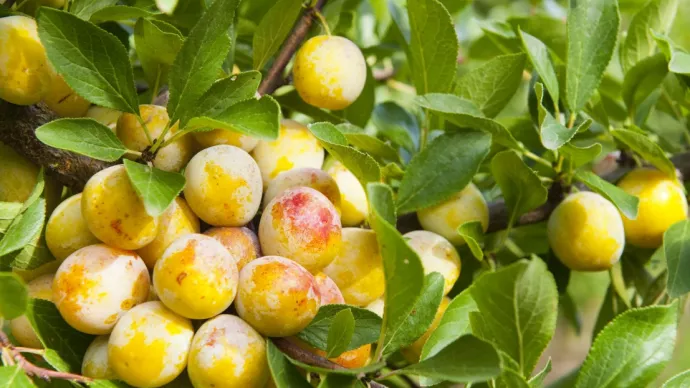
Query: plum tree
(66, 229)
(64, 101)
(227, 352)
(301, 224)
(329, 72)
(149, 346)
(223, 186)
(96, 364)
(358, 257)
(17, 175)
(304, 177)
(196, 277)
(586, 232)
(23, 332)
(97, 284)
(241, 242)
(437, 255)
(662, 204)
(353, 200)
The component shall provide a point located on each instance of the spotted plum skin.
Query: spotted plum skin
(358, 257)
(277, 296)
(66, 230)
(223, 186)
(328, 290)
(97, 284)
(227, 352)
(301, 224)
(353, 200)
(96, 364)
(149, 346)
(317, 179)
(22, 331)
(114, 212)
(242, 243)
(437, 255)
(196, 277)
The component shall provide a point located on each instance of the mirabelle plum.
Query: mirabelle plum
(149, 345)
(18, 175)
(223, 186)
(95, 363)
(177, 220)
(295, 147)
(64, 101)
(196, 277)
(301, 224)
(358, 256)
(414, 351)
(444, 218)
(329, 291)
(25, 75)
(222, 136)
(66, 230)
(329, 72)
(437, 255)
(97, 284)
(114, 212)
(173, 156)
(227, 352)
(367, 289)
(241, 242)
(23, 332)
(277, 296)
(377, 307)
(317, 179)
(662, 204)
(105, 116)
(353, 199)
(586, 232)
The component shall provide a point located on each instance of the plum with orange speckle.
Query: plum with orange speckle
(317, 179)
(97, 284)
(23, 332)
(437, 255)
(277, 296)
(303, 225)
(329, 291)
(223, 186)
(95, 363)
(149, 346)
(66, 230)
(241, 242)
(358, 257)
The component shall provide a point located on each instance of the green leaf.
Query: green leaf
(433, 64)
(371, 145)
(227, 92)
(473, 234)
(517, 310)
(85, 8)
(454, 324)
(520, 185)
(642, 79)
(492, 85)
(359, 111)
(373, 367)
(404, 274)
(442, 169)
(538, 381)
(257, 118)
(156, 188)
(681, 380)
(466, 360)
(363, 166)
(680, 63)
(647, 149)
(549, 29)
(93, 62)
(553, 133)
(57, 335)
(397, 125)
(340, 333)
(14, 377)
(340, 381)
(284, 374)
(293, 102)
(539, 56)
(119, 12)
(579, 156)
(625, 202)
(8, 212)
(157, 44)
(464, 114)
(639, 43)
(274, 27)
(24, 228)
(367, 327)
(83, 136)
(13, 296)
(199, 61)
(30, 256)
(636, 347)
(676, 241)
(592, 34)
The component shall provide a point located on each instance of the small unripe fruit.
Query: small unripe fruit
(241, 242)
(97, 284)
(358, 257)
(105, 116)
(223, 186)
(227, 352)
(277, 296)
(196, 277)
(64, 101)
(23, 332)
(367, 289)
(18, 175)
(173, 156)
(414, 351)
(586, 232)
(437, 255)
(114, 212)
(225, 137)
(177, 220)
(295, 147)
(317, 179)
(662, 204)
(328, 290)
(66, 230)
(445, 218)
(329, 72)
(25, 75)
(95, 363)
(301, 224)
(353, 200)
(149, 345)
